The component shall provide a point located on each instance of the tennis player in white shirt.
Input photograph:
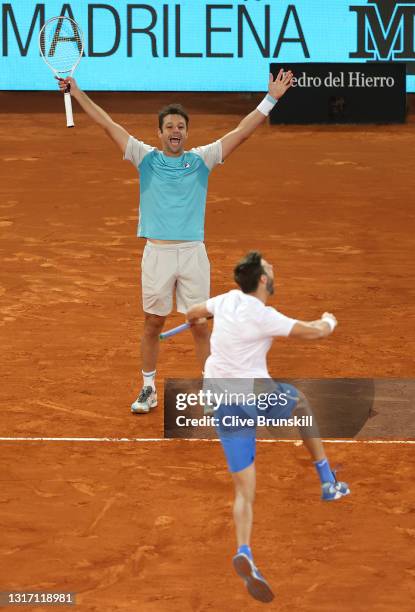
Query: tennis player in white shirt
(243, 331)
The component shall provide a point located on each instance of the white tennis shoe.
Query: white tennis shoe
(145, 401)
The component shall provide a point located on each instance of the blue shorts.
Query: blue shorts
(239, 440)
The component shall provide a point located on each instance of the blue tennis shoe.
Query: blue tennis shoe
(256, 584)
(331, 491)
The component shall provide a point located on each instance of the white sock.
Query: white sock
(149, 379)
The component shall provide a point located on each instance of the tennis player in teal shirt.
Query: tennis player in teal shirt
(173, 189)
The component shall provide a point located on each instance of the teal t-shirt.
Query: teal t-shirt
(172, 189)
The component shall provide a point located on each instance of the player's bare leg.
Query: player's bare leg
(243, 514)
(313, 444)
(331, 488)
(150, 346)
(150, 342)
(201, 337)
(315, 448)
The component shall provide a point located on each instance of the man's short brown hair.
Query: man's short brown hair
(172, 109)
(248, 272)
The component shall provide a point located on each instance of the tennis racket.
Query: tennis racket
(61, 45)
(174, 331)
(178, 329)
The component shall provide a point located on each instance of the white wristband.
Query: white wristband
(330, 322)
(267, 104)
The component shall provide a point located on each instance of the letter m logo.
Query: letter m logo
(385, 31)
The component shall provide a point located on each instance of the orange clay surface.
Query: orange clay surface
(148, 526)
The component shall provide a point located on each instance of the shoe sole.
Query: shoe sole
(259, 589)
(143, 410)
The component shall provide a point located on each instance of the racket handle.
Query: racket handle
(174, 331)
(68, 109)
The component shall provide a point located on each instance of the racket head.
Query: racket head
(61, 44)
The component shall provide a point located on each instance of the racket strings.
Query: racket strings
(61, 44)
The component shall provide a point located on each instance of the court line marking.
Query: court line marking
(138, 440)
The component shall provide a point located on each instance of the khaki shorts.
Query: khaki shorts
(182, 267)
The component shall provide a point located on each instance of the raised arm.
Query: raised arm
(115, 131)
(276, 89)
(313, 330)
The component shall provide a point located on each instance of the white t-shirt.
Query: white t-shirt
(242, 335)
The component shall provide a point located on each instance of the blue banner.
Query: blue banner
(200, 45)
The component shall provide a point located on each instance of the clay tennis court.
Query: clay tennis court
(148, 525)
